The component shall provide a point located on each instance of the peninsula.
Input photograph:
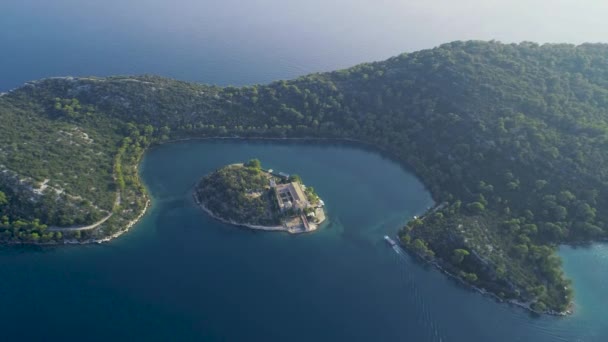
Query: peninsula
(247, 195)
(510, 139)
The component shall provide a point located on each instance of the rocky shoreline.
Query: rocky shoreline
(514, 302)
(246, 225)
(91, 241)
(126, 229)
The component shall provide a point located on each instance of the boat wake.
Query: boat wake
(398, 250)
(418, 302)
(394, 246)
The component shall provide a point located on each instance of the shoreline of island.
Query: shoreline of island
(246, 225)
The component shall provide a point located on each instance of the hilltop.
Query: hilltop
(509, 138)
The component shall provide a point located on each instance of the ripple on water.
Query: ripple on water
(425, 317)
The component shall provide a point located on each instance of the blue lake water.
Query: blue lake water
(182, 276)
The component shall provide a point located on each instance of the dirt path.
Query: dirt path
(89, 227)
(79, 228)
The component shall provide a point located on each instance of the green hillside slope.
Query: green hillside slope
(510, 140)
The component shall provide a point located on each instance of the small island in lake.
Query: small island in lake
(248, 195)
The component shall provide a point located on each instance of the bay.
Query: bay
(180, 275)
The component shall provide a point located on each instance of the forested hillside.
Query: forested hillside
(510, 140)
(239, 193)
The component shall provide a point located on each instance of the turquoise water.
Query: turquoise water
(179, 275)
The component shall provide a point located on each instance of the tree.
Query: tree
(295, 178)
(529, 229)
(559, 213)
(3, 199)
(501, 271)
(469, 277)
(553, 232)
(420, 247)
(312, 195)
(165, 131)
(540, 184)
(34, 236)
(148, 130)
(458, 255)
(254, 163)
(476, 208)
(566, 197)
(520, 250)
(584, 212)
(512, 185)
(538, 306)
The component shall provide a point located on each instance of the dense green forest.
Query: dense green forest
(240, 193)
(509, 138)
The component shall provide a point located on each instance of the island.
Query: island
(509, 139)
(248, 195)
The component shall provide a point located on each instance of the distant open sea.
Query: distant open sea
(228, 42)
(182, 276)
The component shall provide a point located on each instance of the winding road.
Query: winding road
(89, 227)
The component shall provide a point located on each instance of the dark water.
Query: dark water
(180, 275)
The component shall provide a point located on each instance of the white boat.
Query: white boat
(390, 241)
